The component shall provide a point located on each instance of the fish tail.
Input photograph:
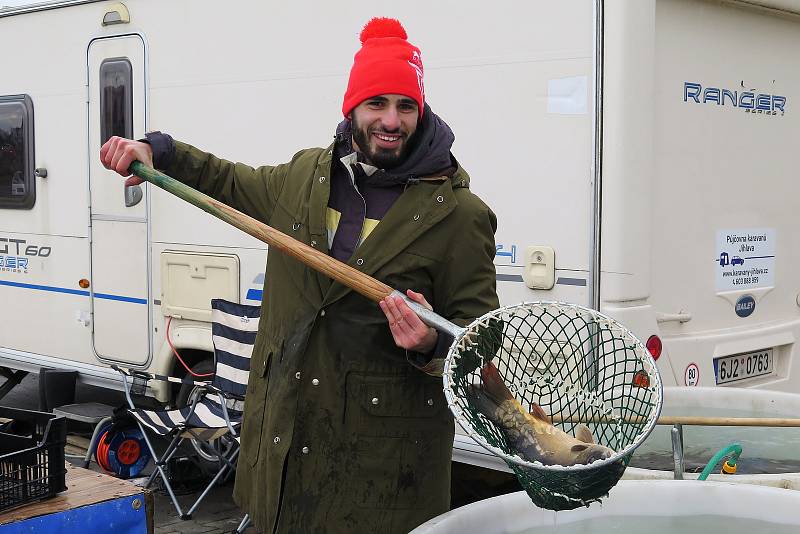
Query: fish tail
(493, 383)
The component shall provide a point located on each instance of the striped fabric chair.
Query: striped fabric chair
(215, 409)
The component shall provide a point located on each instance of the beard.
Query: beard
(383, 158)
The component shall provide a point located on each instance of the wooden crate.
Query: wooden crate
(93, 502)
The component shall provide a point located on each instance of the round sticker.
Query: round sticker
(691, 377)
(745, 305)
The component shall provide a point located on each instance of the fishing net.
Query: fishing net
(581, 367)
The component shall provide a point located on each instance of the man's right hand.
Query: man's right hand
(118, 153)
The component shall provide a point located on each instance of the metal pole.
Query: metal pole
(597, 192)
(677, 450)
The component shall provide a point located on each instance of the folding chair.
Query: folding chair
(215, 410)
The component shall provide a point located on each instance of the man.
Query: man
(343, 431)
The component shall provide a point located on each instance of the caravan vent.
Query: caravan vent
(190, 281)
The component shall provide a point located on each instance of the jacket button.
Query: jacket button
(322, 313)
(440, 199)
(375, 401)
(305, 450)
(360, 261)
(297, 375)
(296, 226)
(416, 217)
(314, 382)
(313, 243)
(430, 402)
(321, 179)
(276, 440)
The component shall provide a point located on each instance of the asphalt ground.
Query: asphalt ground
(217, 513)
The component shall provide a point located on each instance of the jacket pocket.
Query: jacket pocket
(392, 405)
(255, 401)
(399, 422)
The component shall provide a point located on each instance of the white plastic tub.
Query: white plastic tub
(771, 453)
(634, 507)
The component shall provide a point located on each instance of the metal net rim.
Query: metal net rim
(647, 359)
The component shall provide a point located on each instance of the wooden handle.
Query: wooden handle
(689, 420)
(319, 261)
(728, 421)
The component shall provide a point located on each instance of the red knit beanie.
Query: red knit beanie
(386, 64)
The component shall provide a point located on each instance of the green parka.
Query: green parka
(341, 434)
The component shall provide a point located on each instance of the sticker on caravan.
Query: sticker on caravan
(13, 264)
(745, 306)
(745, 259)
(15, 254)
(567, 96)
(500, 251)
(691, 377)
(751, 101)
(256, 292)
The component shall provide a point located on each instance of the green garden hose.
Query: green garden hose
(729, 467)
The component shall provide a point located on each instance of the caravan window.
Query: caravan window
(116, 99)
(17, 185)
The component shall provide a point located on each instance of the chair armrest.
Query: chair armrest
(229, 395)
(135, 373)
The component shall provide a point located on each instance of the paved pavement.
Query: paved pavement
(217, 513)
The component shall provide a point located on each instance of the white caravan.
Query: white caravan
(640, 156)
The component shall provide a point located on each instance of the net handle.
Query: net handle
(346, 275)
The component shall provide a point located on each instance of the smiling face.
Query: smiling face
(383, 127)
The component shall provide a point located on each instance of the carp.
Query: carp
(531, 435)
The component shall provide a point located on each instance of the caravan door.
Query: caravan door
(120, 253)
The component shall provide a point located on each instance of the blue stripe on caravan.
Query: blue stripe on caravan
(45, 288)
(255, 294)
(120, 298)
(80, 292)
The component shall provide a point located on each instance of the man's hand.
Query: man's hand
(408, 330)
(118, 153)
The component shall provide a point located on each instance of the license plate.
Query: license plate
(742, 366)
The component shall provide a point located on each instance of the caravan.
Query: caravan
(640, 156)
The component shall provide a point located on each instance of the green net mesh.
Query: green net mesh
(581, 367)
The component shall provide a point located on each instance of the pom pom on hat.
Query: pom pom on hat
(386, 64)
(382, 27)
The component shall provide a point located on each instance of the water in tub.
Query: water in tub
(764, 450)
